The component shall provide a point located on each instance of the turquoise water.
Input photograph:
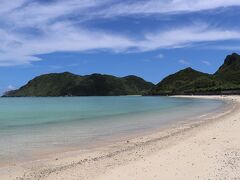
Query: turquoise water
(31, 125)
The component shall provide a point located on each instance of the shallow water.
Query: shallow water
(32, 125)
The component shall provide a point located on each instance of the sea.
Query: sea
(31, 126)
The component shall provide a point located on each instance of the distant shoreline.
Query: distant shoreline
(220, 93)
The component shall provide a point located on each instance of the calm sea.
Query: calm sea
(32, 125)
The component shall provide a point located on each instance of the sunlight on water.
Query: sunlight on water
(29, 125)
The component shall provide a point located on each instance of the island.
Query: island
(226, 80)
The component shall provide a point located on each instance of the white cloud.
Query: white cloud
(8, 6)
(226, 47)
(183, 61)
(41, 14)
(160, 56)
(167, 6)
(181, 37)
(6, 89)
(10, 87)
(17, 49)
(54, 32)
(206, 63)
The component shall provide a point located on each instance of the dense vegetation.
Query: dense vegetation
(230, 70)
(188, 81)
(67, 84)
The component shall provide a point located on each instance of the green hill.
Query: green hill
(189, 81)
(67, 84)
(178, 83)
(230, 70)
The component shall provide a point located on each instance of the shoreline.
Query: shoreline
(161, 120)
(111, 160)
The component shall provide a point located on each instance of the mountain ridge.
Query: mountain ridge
(68, 84)
(226, 80)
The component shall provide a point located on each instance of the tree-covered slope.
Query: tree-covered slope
(67, 84)
(187, 81)
(179, 82)
(190, 81)
(230, 70)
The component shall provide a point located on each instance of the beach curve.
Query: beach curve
(197, 150)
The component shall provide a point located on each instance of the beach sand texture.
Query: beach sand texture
(208, 149)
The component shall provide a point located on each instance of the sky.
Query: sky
(147, 38)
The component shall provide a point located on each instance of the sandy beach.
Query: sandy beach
(208, 148)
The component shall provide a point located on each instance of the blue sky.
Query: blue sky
(148, 38)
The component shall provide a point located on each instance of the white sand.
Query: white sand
(208, 149)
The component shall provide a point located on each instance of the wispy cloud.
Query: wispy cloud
(160, 56)
(206, 63)
(59, 37)
(4, 89)
(31, 28)
(40, 14)
(184, 62)
(226, 47)
(10, 87)
(166, 6)
(185, 36)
